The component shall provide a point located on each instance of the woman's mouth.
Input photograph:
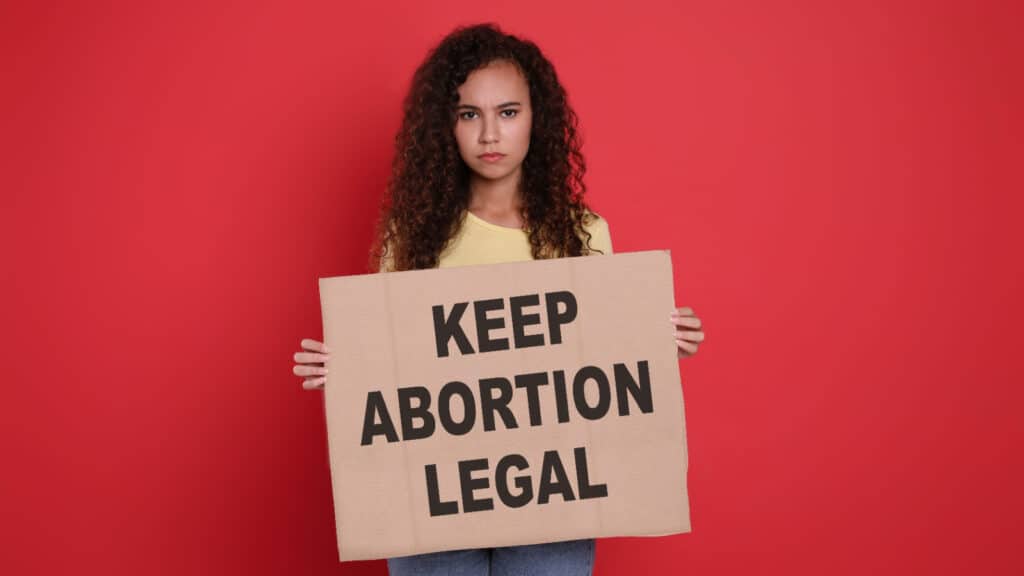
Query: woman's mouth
(492, 157)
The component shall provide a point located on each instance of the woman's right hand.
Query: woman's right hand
(310, 364)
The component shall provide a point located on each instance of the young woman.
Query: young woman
(488, 169)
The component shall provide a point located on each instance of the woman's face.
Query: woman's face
(493, 116)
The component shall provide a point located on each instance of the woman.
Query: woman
(488, 169)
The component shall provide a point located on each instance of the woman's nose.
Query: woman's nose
(489, 131)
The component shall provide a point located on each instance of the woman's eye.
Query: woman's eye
(469, 114)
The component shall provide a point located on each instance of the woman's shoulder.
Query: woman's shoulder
(597, 226)
(595, 223)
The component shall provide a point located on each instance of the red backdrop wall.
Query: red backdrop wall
(839, 183)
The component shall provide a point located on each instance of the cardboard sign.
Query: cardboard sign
(504, 404)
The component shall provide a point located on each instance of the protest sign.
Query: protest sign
(504, 404)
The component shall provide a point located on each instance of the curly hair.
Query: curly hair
(428, 190)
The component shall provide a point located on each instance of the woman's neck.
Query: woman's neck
(496, 197)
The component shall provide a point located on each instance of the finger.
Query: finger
(685, 346)
(308, 357)
(314, 383)
(687, 321)
(684, 311)
(302, 370)
(314, 345)
(690, 335)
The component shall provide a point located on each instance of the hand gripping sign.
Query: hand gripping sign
(504, 404)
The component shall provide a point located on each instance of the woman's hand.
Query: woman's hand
(310, 364)
(687, 331)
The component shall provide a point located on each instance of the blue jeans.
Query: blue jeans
(572, 558)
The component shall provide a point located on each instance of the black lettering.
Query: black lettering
(604, 397)
(557, 319)
(470, 484)
(375, 407)
(489, 404)
(484, 325)
(520, 321)
(552, 466)
(410, 412)
(561, 398)
(531, 382)
(587, 490)
(641, 393)
(437, 508)
(444, 408)
(522, 481)
(447, 328)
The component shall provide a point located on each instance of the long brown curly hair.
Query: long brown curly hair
(428, 190)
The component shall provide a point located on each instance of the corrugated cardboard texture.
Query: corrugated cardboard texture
(381, 332)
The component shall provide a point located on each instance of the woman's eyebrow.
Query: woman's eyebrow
(498, 107)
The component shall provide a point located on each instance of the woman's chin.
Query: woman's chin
(492, 173)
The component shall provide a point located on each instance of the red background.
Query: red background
(839, 184)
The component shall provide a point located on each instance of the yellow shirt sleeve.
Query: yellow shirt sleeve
(600, 236)
(387, 262)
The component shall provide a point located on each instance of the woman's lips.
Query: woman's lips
(494, 157)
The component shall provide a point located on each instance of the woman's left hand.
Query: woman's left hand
(688, 333)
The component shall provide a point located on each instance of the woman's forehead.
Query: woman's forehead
(496, 83)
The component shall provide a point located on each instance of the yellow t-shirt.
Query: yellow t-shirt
(481, 242)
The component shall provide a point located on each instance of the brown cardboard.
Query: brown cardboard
(380, 329)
